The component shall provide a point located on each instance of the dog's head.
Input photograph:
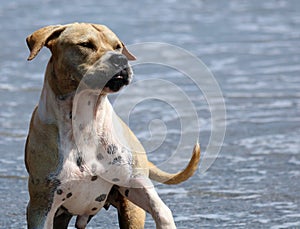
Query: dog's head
(81, 49)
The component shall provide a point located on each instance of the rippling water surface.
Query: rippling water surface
(253, 50)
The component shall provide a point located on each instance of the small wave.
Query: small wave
(13, 177)
(287, 225)
(280, 143)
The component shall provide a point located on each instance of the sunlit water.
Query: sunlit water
(253, 50)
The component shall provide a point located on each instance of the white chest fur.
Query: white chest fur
(94, 156)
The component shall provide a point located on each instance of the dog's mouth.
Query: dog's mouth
(119, 80)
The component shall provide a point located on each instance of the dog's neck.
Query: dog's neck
(92, 118)
(59, 109)
(77, 115)
(53, 108)
(61, 84)
(57, 95)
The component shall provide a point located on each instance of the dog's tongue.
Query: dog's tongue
(118, 77)
(121, 75)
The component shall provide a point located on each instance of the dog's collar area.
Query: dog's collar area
(63, 97)
(54, 84)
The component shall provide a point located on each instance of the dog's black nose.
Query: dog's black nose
(118, 60)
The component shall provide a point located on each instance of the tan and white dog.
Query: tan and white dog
(79, 155)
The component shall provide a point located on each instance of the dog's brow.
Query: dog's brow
(85, 40)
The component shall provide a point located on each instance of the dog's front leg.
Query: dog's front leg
(130, 215)
(143, 194)
(41, 208)
(39, 217)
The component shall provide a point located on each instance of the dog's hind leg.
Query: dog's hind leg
(143, 194)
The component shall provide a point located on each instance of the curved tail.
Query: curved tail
(158, 175)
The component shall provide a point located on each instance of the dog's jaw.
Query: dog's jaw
(119, 80)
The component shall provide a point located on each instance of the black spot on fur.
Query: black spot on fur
(117, 159)
(115, 179)
(112, 149)
(79, 162)
(101, 198)
(94, 178)
(56, 182)
(126, 192)
(69, 194)
(70, 115)
(63, 199)
(59, 191)
(94, 209)
(89, 102)
(124, 150)
(53, 182)
(99, 157)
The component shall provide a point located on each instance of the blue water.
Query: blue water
(252, 49)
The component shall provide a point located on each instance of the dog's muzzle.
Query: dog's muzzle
(119, 80)
(111, 72)
(119, 64)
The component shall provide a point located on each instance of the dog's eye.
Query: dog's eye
(118, 46)
(88, 45)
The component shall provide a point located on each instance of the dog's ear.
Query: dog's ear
(42, 37)
(126, 53)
